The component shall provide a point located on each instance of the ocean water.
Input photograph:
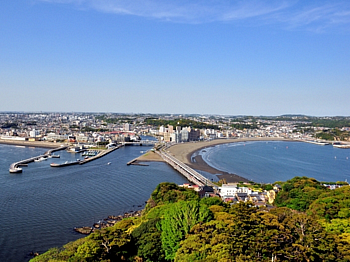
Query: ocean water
(271, 161)
(40, 207)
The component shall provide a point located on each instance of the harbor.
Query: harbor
(15, 167)
(94, 155)
(90, 155)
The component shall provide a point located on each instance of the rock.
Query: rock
(83, 230)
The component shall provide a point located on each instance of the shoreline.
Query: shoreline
(30, 143)
(185, 151)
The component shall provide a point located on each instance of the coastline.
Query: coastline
(184, 152)
(30, 143)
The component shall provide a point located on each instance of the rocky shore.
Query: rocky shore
(107, 222)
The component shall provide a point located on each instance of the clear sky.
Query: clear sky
(248, 57)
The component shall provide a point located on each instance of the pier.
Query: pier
(14, 167)
(101, 154)
(191, 175)
(84, 161)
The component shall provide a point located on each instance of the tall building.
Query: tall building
(184, 135)
(127, 127)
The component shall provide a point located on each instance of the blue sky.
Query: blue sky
(149, 56)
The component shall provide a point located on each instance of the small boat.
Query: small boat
(40, 159)
(109, 163)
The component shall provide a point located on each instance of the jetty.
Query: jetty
(101, 154)
(86, 160)
(15, 167)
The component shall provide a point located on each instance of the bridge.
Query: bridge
(191, 175)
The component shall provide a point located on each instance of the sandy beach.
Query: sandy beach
(42, 144)
(184, 151)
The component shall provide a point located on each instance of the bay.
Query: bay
(268, 162)
(40, 207)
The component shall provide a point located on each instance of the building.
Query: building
(126, 127)
(34, 133)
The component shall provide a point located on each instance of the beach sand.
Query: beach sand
(42, 144)
(184, 152)
(150, 156)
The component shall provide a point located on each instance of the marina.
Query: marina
(89, 156)
(15, 167)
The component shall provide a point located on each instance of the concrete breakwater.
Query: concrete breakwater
(14, 167)
(84, 161)
(101, 154)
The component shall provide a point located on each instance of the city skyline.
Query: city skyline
(182, 57)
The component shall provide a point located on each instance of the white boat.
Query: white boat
(109, 163)
(40, 159)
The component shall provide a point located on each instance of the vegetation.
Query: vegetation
(334, 134)
(9, 125)
(179, 122)
(177, 225)
(90, 129)
(299, 192)
(242, 126)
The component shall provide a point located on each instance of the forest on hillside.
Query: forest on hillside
(308, 223)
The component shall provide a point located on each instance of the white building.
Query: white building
(162, 130)
(34, 133)
(227, 190)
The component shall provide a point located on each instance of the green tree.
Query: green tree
(206, 242)
(177, 222)
(147, 238)
(299, 192)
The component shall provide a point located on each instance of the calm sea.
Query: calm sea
(268, 162)
(40, 207)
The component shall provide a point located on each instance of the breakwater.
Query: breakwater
(86, 160)
(99, 155)
(14, 167)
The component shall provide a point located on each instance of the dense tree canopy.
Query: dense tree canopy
(310, 224)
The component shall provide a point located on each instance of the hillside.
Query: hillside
(177, 225)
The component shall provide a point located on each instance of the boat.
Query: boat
(109, 163)
(40, 159)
